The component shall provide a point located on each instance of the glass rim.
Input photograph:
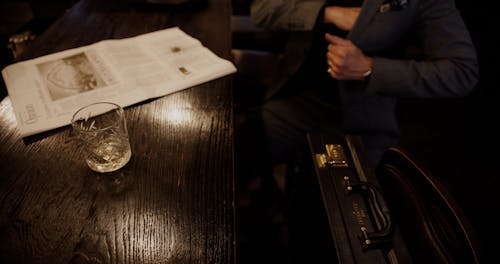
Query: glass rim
(73, 120)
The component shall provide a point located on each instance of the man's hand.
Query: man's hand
(342, 17)
(345, 60)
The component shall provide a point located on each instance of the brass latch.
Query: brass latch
(336, 155)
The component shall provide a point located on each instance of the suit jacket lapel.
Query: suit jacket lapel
(368, 10)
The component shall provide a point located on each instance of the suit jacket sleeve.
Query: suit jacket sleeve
(442, 62)
(290, 15)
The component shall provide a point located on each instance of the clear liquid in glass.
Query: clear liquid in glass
(109, 155)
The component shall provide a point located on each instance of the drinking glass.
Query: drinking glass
(103, 130)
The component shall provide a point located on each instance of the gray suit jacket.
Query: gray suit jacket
(421, 49)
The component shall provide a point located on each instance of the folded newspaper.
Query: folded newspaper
(46, 91)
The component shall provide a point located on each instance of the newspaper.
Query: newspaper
(46, 91)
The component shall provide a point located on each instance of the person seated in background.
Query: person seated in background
(346, 64)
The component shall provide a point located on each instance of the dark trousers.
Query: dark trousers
(275, 130)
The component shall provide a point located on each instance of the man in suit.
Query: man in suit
(348, 61)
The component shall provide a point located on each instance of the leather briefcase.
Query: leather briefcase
(395, 213)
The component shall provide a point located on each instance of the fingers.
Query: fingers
(333, 69)
(335, 58)
(336, 40)
(335, 73)
(340, 69)
(338, 49)
(345, 60)
(340, 74)
(330, 60)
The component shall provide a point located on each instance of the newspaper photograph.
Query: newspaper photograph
(46, 91)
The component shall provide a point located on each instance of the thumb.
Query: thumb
(336, 40)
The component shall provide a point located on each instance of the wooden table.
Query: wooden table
(172, 203)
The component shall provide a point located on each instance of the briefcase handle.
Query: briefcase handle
(379, 212)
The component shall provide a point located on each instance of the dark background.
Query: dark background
(458, 139)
